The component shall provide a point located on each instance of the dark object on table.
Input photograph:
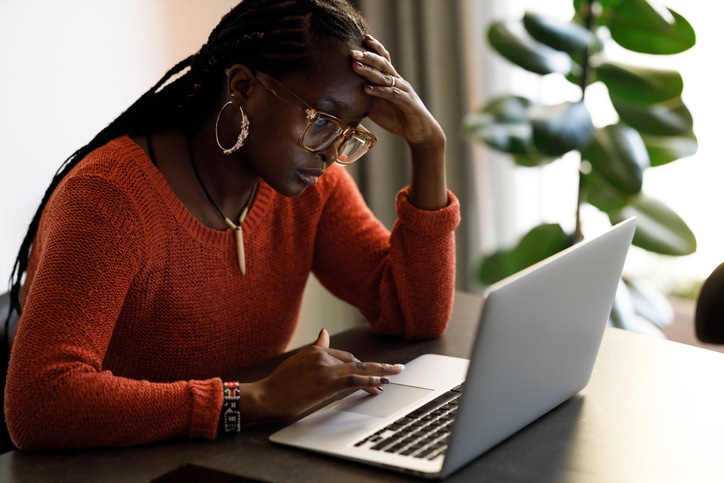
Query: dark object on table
(194, 474)
(709, 319)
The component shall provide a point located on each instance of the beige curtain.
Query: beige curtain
(436, 46)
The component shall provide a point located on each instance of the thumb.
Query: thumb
(322, 339)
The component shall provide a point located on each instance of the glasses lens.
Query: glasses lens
(353, 148)
(321, 133)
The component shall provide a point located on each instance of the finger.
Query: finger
(374, 61)
(376, 46)
(343, 356)
(371, 368)
(322, 339)
(357, 381)
(380, 79)
(374, 391)
(393, 94)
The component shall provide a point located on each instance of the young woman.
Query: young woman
(174, 248)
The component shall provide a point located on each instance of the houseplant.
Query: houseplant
(655, 128)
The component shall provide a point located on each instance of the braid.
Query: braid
(274, 36)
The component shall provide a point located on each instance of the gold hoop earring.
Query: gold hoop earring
(242, 135)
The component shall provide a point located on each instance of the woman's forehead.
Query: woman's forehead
(332, 86)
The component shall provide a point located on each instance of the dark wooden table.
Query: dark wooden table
(652, 412)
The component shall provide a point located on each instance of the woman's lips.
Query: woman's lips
(310, 176)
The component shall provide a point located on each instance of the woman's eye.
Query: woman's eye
(321, 122)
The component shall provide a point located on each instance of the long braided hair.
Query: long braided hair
(274, 36)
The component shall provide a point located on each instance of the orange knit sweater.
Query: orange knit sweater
(132, 308)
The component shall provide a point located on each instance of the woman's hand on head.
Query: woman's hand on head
(312, 376)
(397, 108)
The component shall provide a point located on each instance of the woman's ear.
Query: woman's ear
(239, 79)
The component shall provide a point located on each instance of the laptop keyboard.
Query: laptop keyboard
(422, 433)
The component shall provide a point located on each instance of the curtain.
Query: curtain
(438, 46)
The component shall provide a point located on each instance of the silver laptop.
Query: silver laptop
(535, 347)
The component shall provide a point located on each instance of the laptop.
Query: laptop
(535, 347)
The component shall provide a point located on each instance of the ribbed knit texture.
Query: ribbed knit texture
(132, 308)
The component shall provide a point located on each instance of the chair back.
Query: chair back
(709, 317)
(7, 332)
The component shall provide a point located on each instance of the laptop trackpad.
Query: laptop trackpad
(394, 398)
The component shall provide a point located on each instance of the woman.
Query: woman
(174, 248)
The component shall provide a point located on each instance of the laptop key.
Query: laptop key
(436, 455)
(432, 405)
(395, 448)
(387, 442)
(424, 452)
(360, 443)
(422, 429)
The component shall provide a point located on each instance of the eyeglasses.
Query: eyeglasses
(323, 129)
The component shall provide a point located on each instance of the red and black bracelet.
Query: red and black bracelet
(230, 411)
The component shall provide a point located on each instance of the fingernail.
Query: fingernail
(359, 64)
(369, 37)
(399, 366)
(357, 54)
(380, 389)
(384, 380)
(368, 87)
(320, 332)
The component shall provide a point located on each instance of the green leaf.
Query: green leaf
(658, 228)
(581, 6)
(639, 85)
(601, 36)
(618, 153)
(494, 268)
(623, 315)
(649, 303)
(664, 149)
(561, 128)
(668, 118)
(602, 194)
(565, 36)
(636, 25)
(512, 41)
(540, 243)
(622, 312)
(502, 124)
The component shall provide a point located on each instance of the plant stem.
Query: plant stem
(578, 236)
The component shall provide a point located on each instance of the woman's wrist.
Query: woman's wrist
(242, 405)
(428, 185)
(230, 418)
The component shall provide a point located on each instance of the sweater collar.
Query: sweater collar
(183, 215)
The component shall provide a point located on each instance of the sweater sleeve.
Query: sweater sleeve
(402, 282)
(57, 394)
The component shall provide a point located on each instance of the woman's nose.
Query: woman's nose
(331, 152)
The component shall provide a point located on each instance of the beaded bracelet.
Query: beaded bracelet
(230, 410)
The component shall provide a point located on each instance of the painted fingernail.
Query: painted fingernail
(357, 54)
(384, 380)
(380, 389)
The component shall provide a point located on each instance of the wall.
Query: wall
(69, 68)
